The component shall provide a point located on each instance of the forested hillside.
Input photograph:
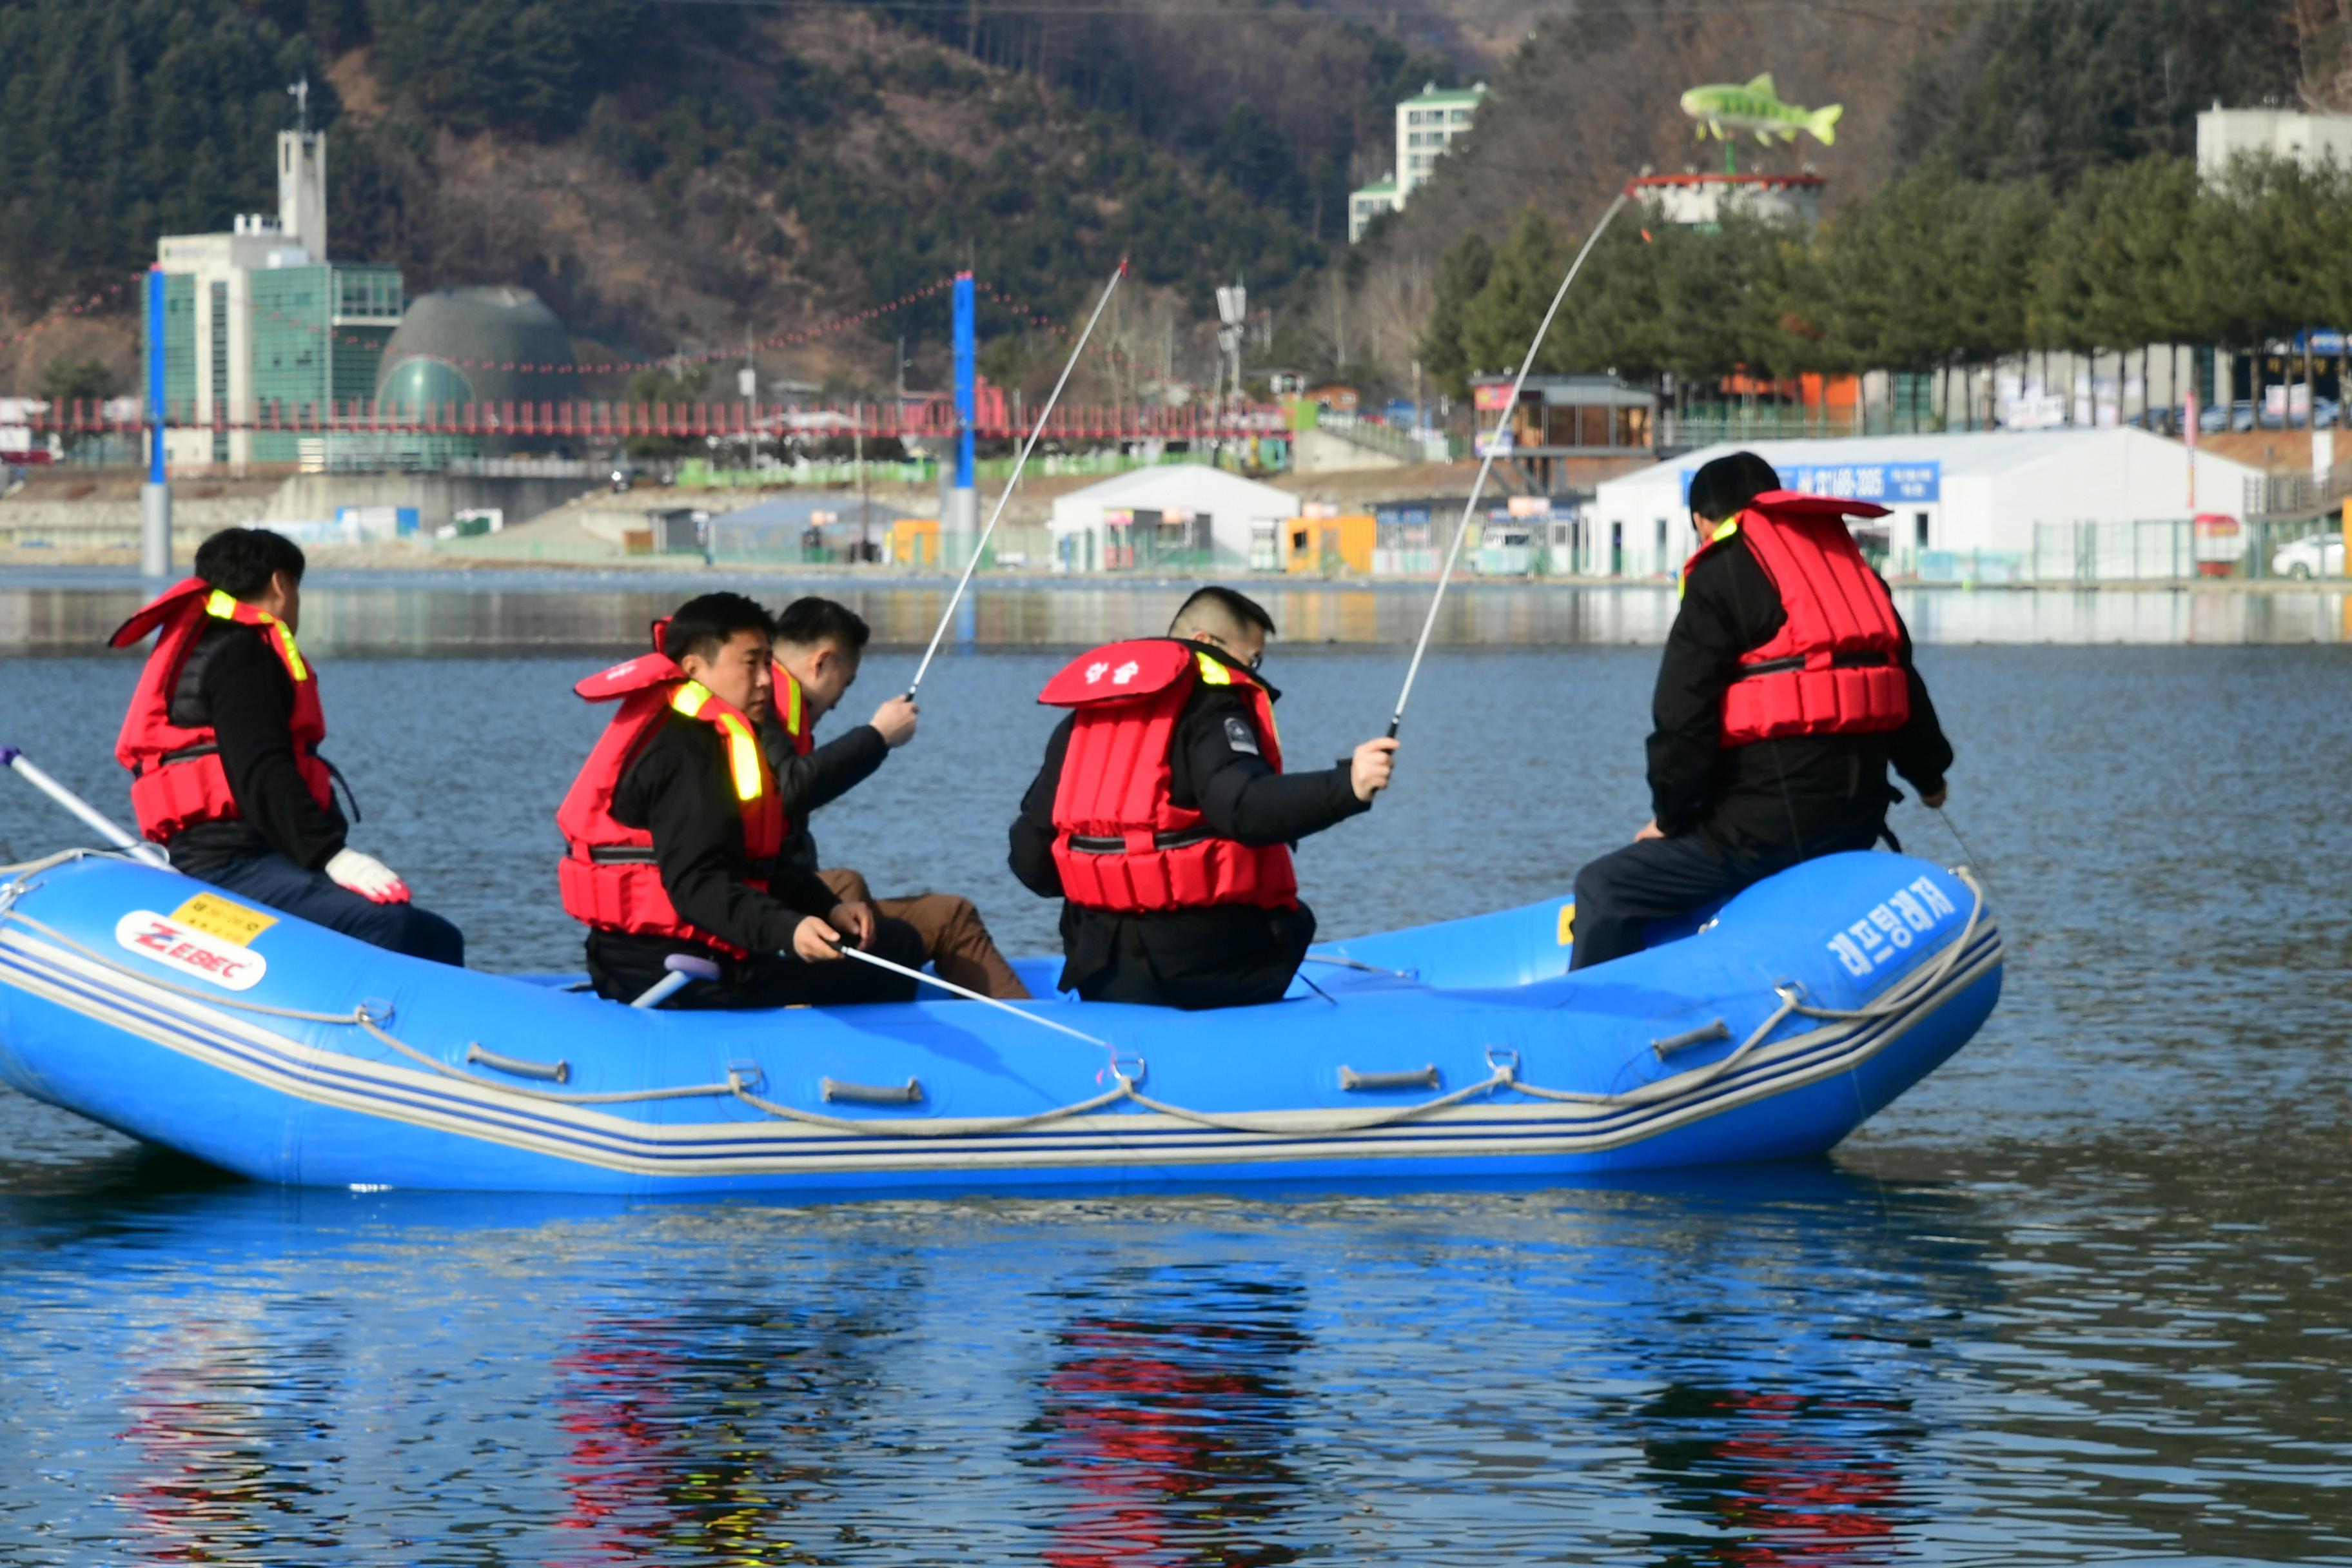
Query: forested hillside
(672, 174)
(2007, 176)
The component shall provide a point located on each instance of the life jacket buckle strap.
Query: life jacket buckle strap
(1183, 838)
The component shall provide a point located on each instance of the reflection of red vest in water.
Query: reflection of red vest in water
(1120, 842)
(607, 875)
(1136, 1428)
(1834, 667)
(177, 780)
(1799, 1484)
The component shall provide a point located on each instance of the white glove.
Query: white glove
(368, 876)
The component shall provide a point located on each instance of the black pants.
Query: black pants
(625, 968)
(1235, 955)
(1659, 879)
(314, 896)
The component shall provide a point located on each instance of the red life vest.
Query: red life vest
(1834, 665)
(607, 876)
(1120, 842)
(792, 711)
(177, 780)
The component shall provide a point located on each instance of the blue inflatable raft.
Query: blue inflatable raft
(286, 1053)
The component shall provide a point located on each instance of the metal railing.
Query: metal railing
(1408, 446)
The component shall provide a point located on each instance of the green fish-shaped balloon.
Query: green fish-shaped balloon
(1726, 111)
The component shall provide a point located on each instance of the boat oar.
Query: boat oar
(1022, 462)
(1495, 445)
(97, 820)
(1003, 1006)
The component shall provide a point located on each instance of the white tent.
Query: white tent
(1188, 509)
(1991, 501)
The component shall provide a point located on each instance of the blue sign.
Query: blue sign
(1882, 483)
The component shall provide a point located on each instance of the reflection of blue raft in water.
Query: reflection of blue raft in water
(292, 1054)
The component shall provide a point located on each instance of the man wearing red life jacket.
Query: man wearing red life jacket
(1163, 819)
(1785, 691)
(674, 833)
(819, 646)
(222, 741)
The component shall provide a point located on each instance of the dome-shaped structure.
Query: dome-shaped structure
(486, 345)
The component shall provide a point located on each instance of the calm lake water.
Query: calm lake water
(2079, 1296)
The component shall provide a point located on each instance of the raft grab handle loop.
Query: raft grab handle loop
(550, 1072)
(1417, 1078)
(1719, 1030)
(908, 1093)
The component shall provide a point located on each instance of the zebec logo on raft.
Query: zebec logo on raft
(1890, 928)
(168, 941)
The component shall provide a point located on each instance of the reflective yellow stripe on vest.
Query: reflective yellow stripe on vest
(1212, 671)
(1723, 530)
(742, 746)
(222, 606)
(792, 704)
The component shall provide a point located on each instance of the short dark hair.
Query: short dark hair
(808, 622)
(240, 562)
(1723, 488)
(708, 622)
(1211, 605)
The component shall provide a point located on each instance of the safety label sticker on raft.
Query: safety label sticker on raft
(215, 916)
(182, 946)
(1891, 928)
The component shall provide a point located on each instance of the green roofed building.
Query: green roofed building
(1365, 204)
(263, 335)
(1426, 125)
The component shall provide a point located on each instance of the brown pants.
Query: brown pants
(955, 941)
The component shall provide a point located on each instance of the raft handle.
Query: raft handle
(908, 1093)
(1719, 1030)
(553, 1072)
(1418, 1077)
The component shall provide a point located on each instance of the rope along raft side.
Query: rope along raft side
(1127, 1084)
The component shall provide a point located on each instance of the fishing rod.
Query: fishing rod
(10, 757)
(1495, 445)
(1026, 448)
(1003, 1006)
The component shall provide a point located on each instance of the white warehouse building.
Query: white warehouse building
(1187, 515)
(1985, 507)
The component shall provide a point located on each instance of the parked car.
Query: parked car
(2241, 416)
(2213, 419)
(2325, 413)
(2315, 555)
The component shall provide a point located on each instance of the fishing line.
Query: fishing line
(1028, 447)
(1944, 815)
(1495, 445)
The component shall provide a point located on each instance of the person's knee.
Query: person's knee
(953, 916)
(424, 934)
(1592, 887)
